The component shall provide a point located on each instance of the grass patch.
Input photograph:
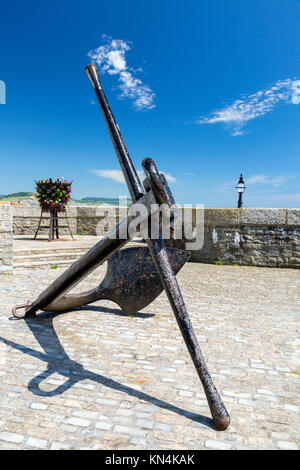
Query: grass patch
(218, 263)
(54, 267)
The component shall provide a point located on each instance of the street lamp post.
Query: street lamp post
(240, 189)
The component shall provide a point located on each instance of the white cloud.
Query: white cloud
(117, 175)
(257, 179)
(170, 178)
(252, 106)
(263, 179)
(111, 58)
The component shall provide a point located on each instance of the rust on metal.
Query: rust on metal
(131, 281)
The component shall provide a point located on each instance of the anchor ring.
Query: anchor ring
(17, 307)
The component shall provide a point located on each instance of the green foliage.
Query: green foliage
(218, 263)
(54, 267)
(53, 194)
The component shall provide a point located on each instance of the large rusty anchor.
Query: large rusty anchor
(135, 276)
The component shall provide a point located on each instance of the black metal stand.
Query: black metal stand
(53, 226)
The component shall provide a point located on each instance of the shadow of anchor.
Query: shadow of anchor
(59, 362)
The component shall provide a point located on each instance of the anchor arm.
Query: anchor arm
(98, 254)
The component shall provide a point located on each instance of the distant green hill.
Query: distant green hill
(88, 200)
(103, 200)
(12, 196)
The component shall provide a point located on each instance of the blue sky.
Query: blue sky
(206, 89)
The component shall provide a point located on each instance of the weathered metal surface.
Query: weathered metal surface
(135, 187)
(159, 252)
(156, 182)
(171, 200)
(160, 257)
(98, 254)
(131, 280)
(219, 413)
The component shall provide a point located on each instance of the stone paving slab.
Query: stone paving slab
(29, 253)
(26, 243)
(95, 379)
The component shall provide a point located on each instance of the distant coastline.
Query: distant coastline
(30, 199)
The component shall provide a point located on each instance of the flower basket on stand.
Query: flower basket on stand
(53, 197)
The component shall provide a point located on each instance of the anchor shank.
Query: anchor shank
(160, 257)
(134, 184)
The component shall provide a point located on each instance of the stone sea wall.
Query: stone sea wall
(253, 237)
(6, 238)
(257, 237)
(99, 219)
(26, 220)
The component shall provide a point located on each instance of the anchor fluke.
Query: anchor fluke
(131, 280)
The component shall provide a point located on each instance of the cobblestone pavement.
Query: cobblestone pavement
(94, 379)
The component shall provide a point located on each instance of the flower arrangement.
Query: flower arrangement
(53, 194)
